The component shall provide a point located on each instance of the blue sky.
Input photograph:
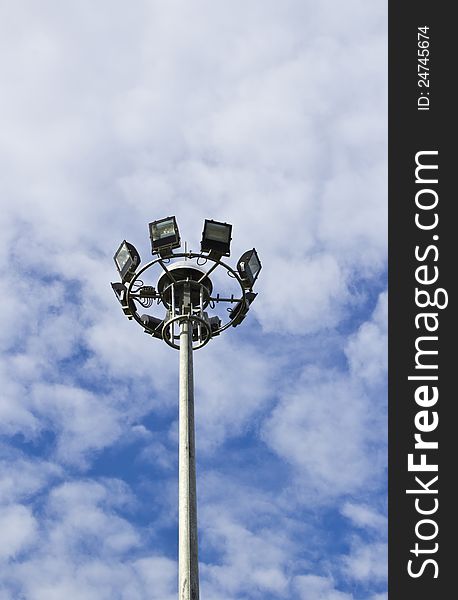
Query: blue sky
(270, 116)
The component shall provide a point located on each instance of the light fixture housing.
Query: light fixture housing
(216, 238)
(152, 325)
(120, 291)
(215, 324)
(240, 310)
(249, 267)
(126, 260)
(164, 236)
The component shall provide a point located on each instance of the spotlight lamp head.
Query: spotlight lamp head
(249, 267)
(216, 238)
(215, 324)
(120, 291)
(240, 311)
(126, 260)
(164, 236)
(152, 325)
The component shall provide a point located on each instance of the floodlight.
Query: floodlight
(126, 260)
(152, 325)
(249, 267)
(216, 237)
(120, 291)
(164, 235)
(239, 312)
(215, 324)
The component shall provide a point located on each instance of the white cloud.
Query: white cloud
(302, 296)
(250, 560)
(322, 427)
(329, 426)
(314, 587)
(367, 561)
(18, 528)
(81, 510)
(82, 548)
(83, 420)
(228, 395)
(21, 478)
(158, 575)
(367, 349)
(364, 516)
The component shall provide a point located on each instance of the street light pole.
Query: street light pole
(188, 563)
(185, 290)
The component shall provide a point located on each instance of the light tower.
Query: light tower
(186, 293)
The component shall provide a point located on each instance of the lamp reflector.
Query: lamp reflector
(216, 236)
(122, 257)
(126, 260)
(249, 267)
(164, 234)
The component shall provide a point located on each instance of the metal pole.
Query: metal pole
(188, 566)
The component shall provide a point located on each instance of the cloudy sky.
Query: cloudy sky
(271, 116)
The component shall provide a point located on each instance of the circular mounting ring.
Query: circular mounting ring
(189, 255)
(191, 318)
